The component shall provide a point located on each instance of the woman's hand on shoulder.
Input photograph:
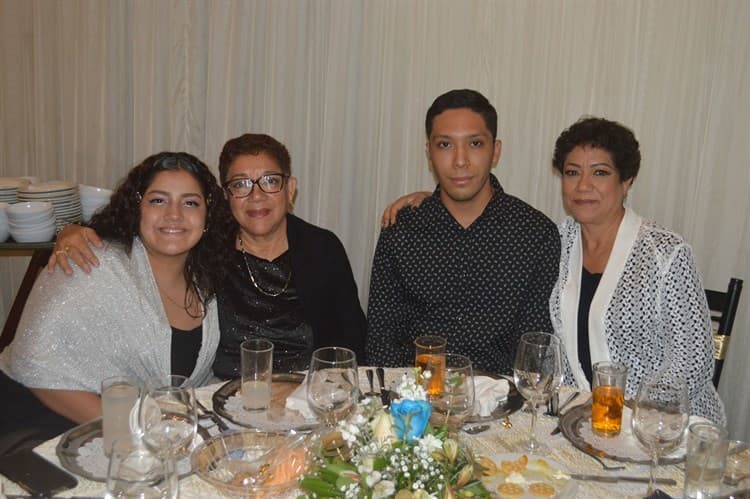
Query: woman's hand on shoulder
(74, 243)
(413, 200)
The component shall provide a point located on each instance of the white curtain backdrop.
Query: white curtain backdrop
(90, 87)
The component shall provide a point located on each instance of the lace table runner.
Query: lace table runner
(92, 459)
(274, 419)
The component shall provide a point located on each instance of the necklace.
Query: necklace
(185, 306)
(252, 277)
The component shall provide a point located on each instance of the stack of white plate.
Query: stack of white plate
(8, 188)
(92, 198)
(3, 222)
(63, 196)
(31, 222)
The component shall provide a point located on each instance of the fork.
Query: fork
(606, 466)
(207, 413)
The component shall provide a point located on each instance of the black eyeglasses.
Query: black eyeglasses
(270, 183)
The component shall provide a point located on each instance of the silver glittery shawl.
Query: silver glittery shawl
(649, 310)
(76, 331)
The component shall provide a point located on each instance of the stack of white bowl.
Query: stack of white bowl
(62, 194)
(92, 198)
(31, 222)
(4, 229)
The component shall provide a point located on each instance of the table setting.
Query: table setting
(360, 427)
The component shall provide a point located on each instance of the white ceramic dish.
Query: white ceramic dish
(26, 209)
(52, 186)
(565, 488)
(33, 237)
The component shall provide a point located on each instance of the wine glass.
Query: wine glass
(456, 399)
(136, 472)
(167, 417)
(333, 383)
(660, 416)
(537, 372)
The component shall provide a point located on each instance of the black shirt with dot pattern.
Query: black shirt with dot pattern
(481, 287)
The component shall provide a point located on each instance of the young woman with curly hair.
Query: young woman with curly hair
(149, 311)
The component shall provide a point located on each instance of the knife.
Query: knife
(620, 478)
(384, 396)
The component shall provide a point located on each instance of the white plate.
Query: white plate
(565, 490)
(12, 183)
(576, 427)
(53, 186)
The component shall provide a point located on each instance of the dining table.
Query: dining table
(498, 438)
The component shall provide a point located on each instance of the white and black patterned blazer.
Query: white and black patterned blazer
(649, 311)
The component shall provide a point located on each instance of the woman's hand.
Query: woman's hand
(74, 242)
(414, 200)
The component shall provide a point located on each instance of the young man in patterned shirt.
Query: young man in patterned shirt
(472, 263)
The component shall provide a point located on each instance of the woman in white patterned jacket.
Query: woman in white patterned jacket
(628, 290)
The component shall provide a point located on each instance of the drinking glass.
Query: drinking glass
(537, 372)
(257, 367)
(134, 471)
(456, 399)
(167, 417)
(333, 383)
(608, 397)
(660, 416)
(119, 396)
(430, 358)
(704, 463)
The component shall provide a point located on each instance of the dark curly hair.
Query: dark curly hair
(254, 144)
(458, 99)
(611, 136)
(120, 220)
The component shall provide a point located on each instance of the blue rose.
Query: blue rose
(411, 418)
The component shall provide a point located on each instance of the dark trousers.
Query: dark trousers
(24, 420)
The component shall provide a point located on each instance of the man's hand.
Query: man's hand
(74, 243)
(414, 200)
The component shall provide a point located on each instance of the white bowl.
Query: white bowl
(28, 208)
(33, 236)
(91, 191)
(32, 219)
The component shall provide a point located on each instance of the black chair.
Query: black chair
(36, 264)
(723, 307)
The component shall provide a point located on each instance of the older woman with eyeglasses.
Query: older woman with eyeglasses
(290, 281)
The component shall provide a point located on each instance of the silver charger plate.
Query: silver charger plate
(282, 385)
(573, 420)
(73, 440)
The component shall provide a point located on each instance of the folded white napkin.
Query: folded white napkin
(488, 393)
(297, 401)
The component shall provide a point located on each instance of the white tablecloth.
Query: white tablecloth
(496, 440)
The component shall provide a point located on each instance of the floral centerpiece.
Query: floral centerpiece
(378, 453)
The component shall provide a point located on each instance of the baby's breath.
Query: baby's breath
(379, 465)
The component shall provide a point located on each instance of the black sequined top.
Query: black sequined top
(268, 308)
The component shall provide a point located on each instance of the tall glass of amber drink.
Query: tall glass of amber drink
(431, 361)
(608, 380)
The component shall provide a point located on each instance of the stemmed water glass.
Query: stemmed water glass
(333, 383)
(167, 418)
(660, 416)
(136, 472)
(456, 399)
(537, 372)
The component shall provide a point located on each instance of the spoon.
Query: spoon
(475, 429)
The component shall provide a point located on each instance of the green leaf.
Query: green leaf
(320, 487)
